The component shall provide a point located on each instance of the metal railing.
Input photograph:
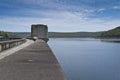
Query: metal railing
(4, 45)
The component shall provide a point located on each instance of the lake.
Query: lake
(87, 58)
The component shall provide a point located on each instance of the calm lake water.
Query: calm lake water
(87, 58)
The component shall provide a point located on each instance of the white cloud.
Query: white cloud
(59, 5)
(59, 16)
(58, 21)
(101, 9)
(116, 7)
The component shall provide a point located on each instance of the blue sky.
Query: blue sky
(60, 15)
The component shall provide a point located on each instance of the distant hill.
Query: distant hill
(19, 34)
(73, 34)
(3, 34)
(113, 33)
(56, 34)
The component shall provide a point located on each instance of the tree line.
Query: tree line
(114, 33)
(4, 34)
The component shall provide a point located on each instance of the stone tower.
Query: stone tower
(39, 31)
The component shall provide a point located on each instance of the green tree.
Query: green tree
(4, 34)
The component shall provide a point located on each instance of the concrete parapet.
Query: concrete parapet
(11, 43)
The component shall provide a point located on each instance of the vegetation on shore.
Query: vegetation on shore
(56, 34)
(113, 33)
(73, 34)
(3, 34)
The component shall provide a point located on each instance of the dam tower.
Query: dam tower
(39, 31)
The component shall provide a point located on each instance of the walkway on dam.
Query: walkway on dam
(35, 62)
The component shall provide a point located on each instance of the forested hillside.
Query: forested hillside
(57, 34)
(73, 34)
(113, 33)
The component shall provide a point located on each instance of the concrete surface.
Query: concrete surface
(35, 62)
(10, 51)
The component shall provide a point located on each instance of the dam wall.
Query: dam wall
(35, 62)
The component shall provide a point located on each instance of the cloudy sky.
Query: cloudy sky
(59, 15)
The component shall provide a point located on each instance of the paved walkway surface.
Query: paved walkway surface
(35, 62)
(10, 51)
